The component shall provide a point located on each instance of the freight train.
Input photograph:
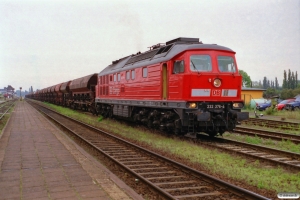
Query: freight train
(182, 86)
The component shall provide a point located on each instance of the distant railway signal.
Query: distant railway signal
(20, 93)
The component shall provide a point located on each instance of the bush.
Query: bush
(289, 93)
(247, 106)
(100, 118)
(270, 111)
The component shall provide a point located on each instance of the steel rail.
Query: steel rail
(273, 123)
(2, 104)
(279, 136)
(275, 156)
(10, 105)
(245, 194)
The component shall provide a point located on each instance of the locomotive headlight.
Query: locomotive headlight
(217, 82)
(191, 105)
(238, 105)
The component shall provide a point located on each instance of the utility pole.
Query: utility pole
(20, 94)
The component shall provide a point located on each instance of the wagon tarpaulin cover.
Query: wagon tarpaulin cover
(84, 84)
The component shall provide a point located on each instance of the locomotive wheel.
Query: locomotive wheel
(150, 124)
(105, 114)
(110, 114)
(212, 133)
(222, 131)
(93, 111)
(178, 126)
(177, 131)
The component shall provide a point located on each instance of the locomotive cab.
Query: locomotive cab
(211, 87)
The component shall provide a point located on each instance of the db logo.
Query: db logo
(216, 92)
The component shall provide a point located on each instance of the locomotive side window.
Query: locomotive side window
(132, 74)
(127, 75)
(110, 78)
(178, 67)
(115, 77)
(226, 64)
(200, 63)
(145, 72)
(119, 76)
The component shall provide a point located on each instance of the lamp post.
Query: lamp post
(20, 94)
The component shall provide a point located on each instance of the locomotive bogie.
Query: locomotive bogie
(162, 119)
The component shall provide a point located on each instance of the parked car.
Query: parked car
(295, 105)
(281, 105)
(255, 102)
(264, 106)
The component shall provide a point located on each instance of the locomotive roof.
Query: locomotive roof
(159, 54)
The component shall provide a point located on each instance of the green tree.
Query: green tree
(265, 82)
(284, 84)
(270, 92)
(276, 83)
(289, 81)
(287, 93)
(296, 77)
(259, 84)
(293, 82)
(296, 91)
(246, 78)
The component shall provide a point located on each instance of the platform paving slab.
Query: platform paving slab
(38, 161)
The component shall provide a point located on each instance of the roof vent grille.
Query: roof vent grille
(183, 40)
(143, 56)
(164, 49)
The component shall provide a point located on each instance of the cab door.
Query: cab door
(164, 81)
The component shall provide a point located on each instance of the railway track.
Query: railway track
(279, 136)
(278, 157)
(166, 179)
(4, 107)
(273, 124)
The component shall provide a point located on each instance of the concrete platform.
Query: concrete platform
(37, 161)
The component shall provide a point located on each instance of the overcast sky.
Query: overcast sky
(45, 42)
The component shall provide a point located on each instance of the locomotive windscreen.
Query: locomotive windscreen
(200, 63)
(226, 64)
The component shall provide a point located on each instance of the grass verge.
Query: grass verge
(288, 114)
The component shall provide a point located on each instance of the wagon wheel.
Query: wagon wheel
(296, 109)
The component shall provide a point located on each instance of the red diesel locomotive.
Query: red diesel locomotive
(182, 86)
